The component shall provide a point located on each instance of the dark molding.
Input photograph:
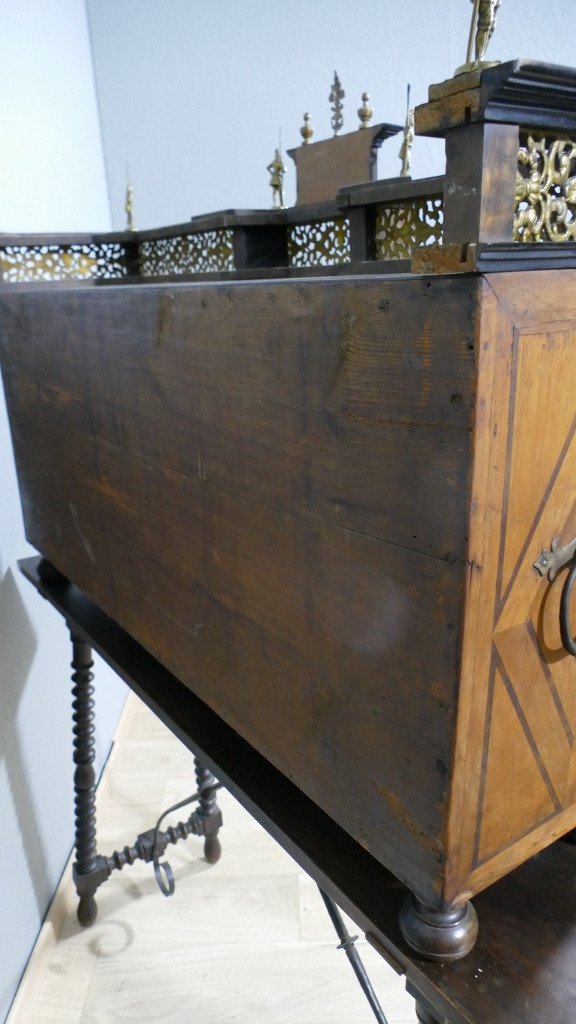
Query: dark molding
(510, 256)
(523, 92)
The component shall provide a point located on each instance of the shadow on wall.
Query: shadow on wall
(18, 644)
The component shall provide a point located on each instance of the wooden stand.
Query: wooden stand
(522, 968)
(90, 868)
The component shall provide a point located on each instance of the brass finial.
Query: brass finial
(365, 112)
(336, 96)
(481, 31)
(306, 130)
(408, 138)
(277, 170)
(129, 207)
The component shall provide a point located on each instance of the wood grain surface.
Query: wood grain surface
(514, 768)
(319, 505)
(268, 487)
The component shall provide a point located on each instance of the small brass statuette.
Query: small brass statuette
(129, 207)
(365, 112)
(306, 130)
(277, 170)
(481, 31)
(485, 25)
(336, 96)
(408, 138)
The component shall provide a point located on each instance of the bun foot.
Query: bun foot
(423, 1015)
(87, 911)
(212, 849)
(438, 934)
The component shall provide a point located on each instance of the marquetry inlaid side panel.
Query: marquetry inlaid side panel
(539, 503)
(518, 764)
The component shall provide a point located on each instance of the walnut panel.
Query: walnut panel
(267, 486)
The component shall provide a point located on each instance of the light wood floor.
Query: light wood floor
(246, 940)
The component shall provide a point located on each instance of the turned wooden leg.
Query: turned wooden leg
(438, 934)
(87, 867)
(208, 811)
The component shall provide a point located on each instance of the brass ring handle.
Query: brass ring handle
(565, 631)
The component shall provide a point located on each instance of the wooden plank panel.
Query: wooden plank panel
(361, 376)
(267, 486)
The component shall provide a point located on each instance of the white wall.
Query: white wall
(193, 92)
(52, 174)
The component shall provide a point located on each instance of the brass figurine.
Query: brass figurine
(306, 130)
(485, 25)
(129, 207)
(336, 96)
(481, 31)
(277, 170)
(408, 138)
(365, 112)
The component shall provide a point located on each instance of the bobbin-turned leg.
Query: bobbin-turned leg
(438, 934)
(208, 811)
(89, 869)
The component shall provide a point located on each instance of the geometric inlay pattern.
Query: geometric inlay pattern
(203, 252)
(403, 227)
(529, 754)
(320, 243)
(20, 263)
(546, 191)
(503, 819)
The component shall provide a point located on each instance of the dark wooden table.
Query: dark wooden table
(523, 968)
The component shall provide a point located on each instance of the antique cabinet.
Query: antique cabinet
(325, 496)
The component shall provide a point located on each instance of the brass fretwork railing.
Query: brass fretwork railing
(319, 243)
(382, 222)
(404, 226)
(60, 260)
(390, 219)
(393, 220)
(545, 189)
(200, 252)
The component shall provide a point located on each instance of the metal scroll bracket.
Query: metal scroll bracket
(550, 563)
